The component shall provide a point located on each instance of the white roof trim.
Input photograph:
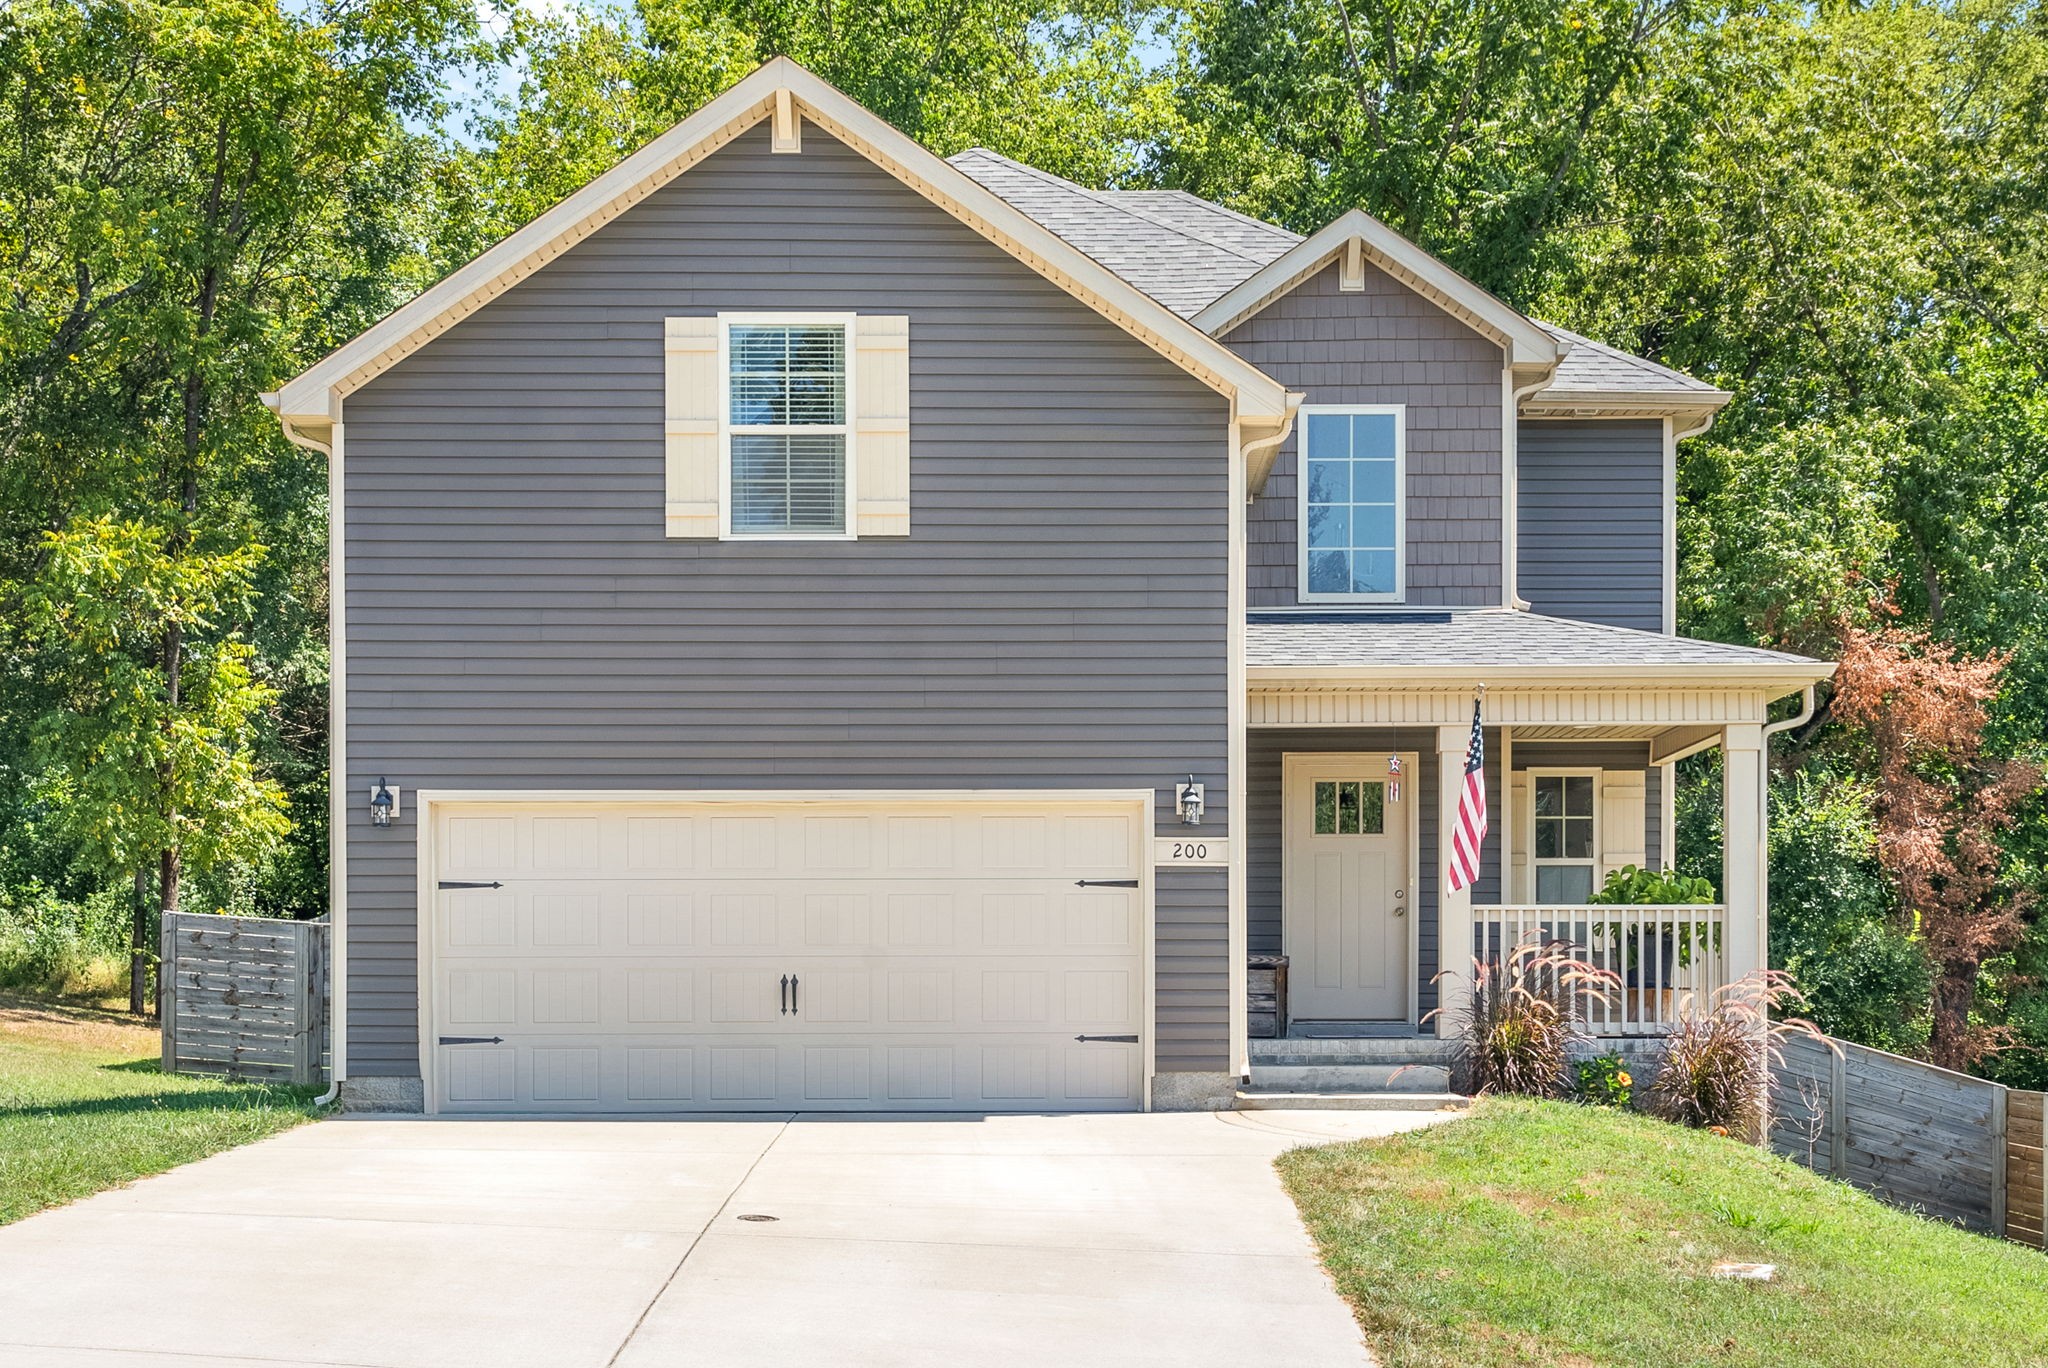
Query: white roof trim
(1528, 345)
(1782, 675)
(1624, 403)
(313, 398)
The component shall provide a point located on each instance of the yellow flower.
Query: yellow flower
(1623, 1079)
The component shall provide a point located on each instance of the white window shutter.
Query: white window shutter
(881, 425)
(691, 349)
(1519, 891)
(1623, 834)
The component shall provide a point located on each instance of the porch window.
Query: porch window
(1564, 811)
(1353, 483)
(1351, 807)
(786, 427)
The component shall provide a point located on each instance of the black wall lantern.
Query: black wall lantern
(1188, 798)
(383, 804)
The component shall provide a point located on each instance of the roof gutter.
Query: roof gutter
(1783, 676)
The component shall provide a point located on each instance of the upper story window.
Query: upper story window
(1563, 809)
(1354, 477)
(786, 385)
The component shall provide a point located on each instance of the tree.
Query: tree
(194, 195)
(147, 760)
(1942, 804)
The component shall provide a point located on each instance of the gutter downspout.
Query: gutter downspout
(337, 766)
(1238, 742)
(1763, 799)
(1511, 485)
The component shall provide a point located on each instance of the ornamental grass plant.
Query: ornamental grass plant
(1527, 1016)
(1715, 1069)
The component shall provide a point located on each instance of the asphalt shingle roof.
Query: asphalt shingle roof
(1478, 640)
(1186, 253)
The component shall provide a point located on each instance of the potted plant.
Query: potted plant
(1647, 978)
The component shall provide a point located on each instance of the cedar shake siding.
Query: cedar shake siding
(518, 620)
(1592, 501)
(1388, 345)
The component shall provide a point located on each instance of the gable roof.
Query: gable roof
(1219, 250)
(311, 402)
(1528, 346)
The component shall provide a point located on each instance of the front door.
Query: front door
(1347, 886)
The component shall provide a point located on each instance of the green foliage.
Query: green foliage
(137, 769)
(49, 944)
(1652, 888)
(1605, 1081)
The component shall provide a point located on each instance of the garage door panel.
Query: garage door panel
(635, 958)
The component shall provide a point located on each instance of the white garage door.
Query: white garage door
(817, 956)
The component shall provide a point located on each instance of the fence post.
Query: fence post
(1999, 1159)
(1838, 1111)
(166, 992)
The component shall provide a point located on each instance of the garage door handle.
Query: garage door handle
(783, 999)
(1112, 1040)
(792, 994)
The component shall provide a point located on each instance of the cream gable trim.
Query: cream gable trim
(1355, 234)
(312, 400)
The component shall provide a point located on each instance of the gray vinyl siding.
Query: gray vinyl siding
(1267, 748)
(518, 620)
(1388, 345)
(1607, 755)
(1591, 536)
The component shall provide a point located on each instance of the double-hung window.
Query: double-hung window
(786, 429)
(1563, 810)
(1353, 483)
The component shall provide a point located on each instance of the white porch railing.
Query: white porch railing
(1667, 958)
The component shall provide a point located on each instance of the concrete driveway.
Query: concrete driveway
(1019, 1240)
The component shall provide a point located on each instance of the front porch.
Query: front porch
(1354, 766)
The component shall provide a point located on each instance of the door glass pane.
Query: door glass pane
(1326, 809)
(1372, 809)
(1347, 809)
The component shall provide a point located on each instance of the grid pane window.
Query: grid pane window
(787, 410)
(1565, 854)
(1351, 497)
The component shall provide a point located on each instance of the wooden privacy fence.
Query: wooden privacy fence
(1951, 1146)
(245, 997)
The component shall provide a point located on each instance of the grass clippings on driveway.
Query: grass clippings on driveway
(1545, 1233)
(83, 1106)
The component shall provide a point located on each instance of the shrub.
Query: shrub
(1527, 1012)
(53, 945)
(1605, 1081)
(1715, 1072)
(1635, 887)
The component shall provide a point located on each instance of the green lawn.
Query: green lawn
(83, 1107)
(1544, 1233)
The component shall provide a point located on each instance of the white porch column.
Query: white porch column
(1453, 910)
(1743, 847)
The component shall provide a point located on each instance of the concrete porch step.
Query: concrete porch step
(1343, 1077)
(1352, 1050)
(1276, 1099)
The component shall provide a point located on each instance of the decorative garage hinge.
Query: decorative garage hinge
(1105, 883)
(472, 1040)
(1112, 1040)
(457, 883)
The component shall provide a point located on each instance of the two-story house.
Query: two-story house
(818, 626)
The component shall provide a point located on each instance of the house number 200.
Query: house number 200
(1190, 850)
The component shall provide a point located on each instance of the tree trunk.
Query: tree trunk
(138, 945)
(1955, 990)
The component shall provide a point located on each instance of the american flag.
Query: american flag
(1469, 833)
